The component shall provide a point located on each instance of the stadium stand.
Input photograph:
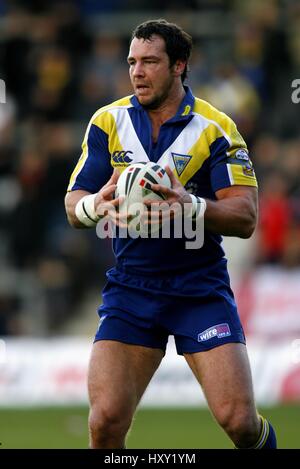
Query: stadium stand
(61, 61)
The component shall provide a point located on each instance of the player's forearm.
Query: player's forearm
(71, 200)
(234, 216)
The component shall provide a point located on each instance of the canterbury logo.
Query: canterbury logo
(122, 156)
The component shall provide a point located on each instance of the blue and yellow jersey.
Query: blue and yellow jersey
(203, 148)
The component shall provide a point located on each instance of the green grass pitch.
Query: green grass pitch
(66, 427)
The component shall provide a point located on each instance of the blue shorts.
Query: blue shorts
(140, 317)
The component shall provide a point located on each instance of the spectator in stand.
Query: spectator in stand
(275, 218)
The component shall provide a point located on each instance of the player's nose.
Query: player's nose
(138, 70)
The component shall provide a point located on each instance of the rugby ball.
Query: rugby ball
(134, 184)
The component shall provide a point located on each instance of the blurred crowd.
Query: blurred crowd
(60, 66)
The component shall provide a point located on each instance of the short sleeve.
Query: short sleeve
(230, 163)
(93, 168)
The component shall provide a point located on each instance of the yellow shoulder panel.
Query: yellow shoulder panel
(221, 120)
(106, 122)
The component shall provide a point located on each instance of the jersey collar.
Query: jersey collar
(185, 109)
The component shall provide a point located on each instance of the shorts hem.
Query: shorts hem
(203, 348)
(130, 342)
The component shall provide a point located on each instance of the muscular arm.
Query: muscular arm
(234, 213)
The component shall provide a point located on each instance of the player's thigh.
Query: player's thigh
(119, 374)
(225, 376)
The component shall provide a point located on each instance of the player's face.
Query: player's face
(150, 72)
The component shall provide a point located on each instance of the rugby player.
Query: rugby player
(158, 287)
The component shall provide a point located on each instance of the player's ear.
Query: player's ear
(179, 67)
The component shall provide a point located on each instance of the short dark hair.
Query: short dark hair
(178, 43)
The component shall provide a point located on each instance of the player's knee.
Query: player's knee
(240, 422)
(108, 422)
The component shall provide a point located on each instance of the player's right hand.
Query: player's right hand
(106, 204)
